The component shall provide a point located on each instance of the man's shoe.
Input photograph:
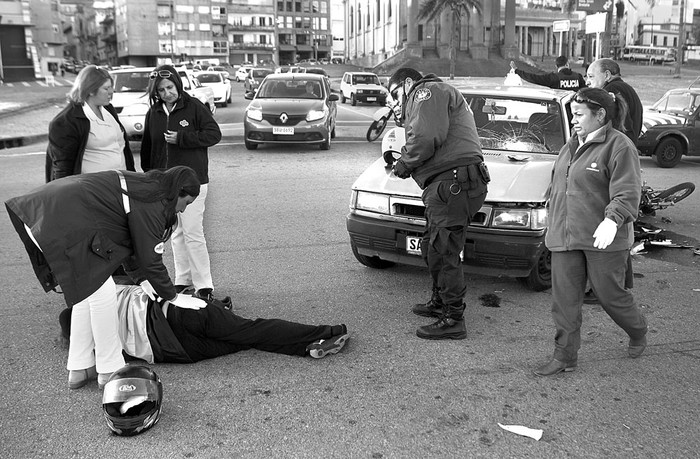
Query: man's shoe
(321, 348)
(556, 366)
(432, 308)
(204, 294)
(636, 347)
(445, 328)
(78, 378)
(590, 297)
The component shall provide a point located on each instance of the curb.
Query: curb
(23, 140)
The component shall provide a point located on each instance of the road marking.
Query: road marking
(355, 111)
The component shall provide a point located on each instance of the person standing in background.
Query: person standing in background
(563, 78)
(178, 131)
(86, 136)
(605, 74)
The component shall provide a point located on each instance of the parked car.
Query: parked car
(255, 77)
(130, 98)
(194, 88)
(671, 127)
(219, 68)
(282, 111)
(241, 73)
(219, 83)
(521, 130)
(362, 87)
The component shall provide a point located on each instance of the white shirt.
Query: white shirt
(132, 308)
(105, 146)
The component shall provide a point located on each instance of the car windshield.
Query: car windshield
(131, 82)
(518, 125)
(365, 79)
(290, 89)
(209, 78)
(677, 102)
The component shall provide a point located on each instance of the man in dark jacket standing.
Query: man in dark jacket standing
(605, 74)
(563, 78)
(443, 155)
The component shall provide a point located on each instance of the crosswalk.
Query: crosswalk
(58, 81)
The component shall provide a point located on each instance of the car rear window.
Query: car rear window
(365, 79)
(131, 82)
(209, 78)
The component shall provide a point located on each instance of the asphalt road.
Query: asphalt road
(276, 231)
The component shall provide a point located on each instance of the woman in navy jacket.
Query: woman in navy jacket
(79, 229)
(178, 131)
(72, 149)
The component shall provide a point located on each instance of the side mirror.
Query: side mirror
(333, 97)
(250, 95)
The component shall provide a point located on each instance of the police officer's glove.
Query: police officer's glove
(604, 234)
(401, 170)
(188, 302)
(148, 289)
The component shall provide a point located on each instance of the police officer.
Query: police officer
(563, 78)
(443, 155)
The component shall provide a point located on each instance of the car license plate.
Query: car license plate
(283, 130)
(371, 99)
(413, 245)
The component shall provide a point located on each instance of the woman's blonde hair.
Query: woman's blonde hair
(87, 82)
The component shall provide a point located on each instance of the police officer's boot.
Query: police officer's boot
(432, 308)
(449, 326)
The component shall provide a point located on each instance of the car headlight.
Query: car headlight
(134, 110)
(314, 115)
(254, 114)
(520, 218)
(360, 91)
(372, 202)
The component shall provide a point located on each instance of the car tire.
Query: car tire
(353, 100)
(229, 98)
(540, 278)
(333, 133)
(371, 262)
(326, 144)
(342, 98)
(668, 152)
(250, 145)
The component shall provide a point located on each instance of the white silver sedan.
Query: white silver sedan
(220, 84)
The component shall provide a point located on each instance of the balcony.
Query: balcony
(251, 45)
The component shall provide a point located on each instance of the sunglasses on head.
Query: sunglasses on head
(584, 100)
(160, 73)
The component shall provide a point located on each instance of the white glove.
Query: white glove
(188, 302)
(604, 234)
(148, 289)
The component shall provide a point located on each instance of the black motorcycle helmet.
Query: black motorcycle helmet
(132, 400)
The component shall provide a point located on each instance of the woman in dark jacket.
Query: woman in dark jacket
(79, 229)
(87, 136)
(178, 131)
(594, 200)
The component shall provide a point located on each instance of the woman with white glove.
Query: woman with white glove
(77, 230)
(594, 200)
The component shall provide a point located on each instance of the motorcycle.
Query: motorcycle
(653, 200)
(382, 117)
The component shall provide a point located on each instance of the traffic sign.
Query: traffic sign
(561, 26)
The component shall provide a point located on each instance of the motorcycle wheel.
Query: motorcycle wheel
(673, 195)
(376, 128)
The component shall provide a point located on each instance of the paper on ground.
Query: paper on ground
(522, 430)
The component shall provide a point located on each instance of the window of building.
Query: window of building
(289, 22)
(379, 11)
(218, 12)
(203, 10)
(163, 11)
(388, 9)
(186, 9)
(297, 23)
(324, 24)
(314, 6)
(217, 30)
(164, 28)
(302, 39)
(665, 41)
(204, 26)
(262, 39)
(55, 28)
(352, 17)
(324, 7)
(280, 22)
(420, 32)
(280, 6)
(307, 23)
(220, 47)
(359, 18)
(285, 39)
(237, 38)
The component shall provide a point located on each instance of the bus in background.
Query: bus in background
(651, 54)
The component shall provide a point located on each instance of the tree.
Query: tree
(432, 9)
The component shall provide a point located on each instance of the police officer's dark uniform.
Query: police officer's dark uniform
(563, 78)
(443, 155)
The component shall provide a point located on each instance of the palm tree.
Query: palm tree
(432, 9)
